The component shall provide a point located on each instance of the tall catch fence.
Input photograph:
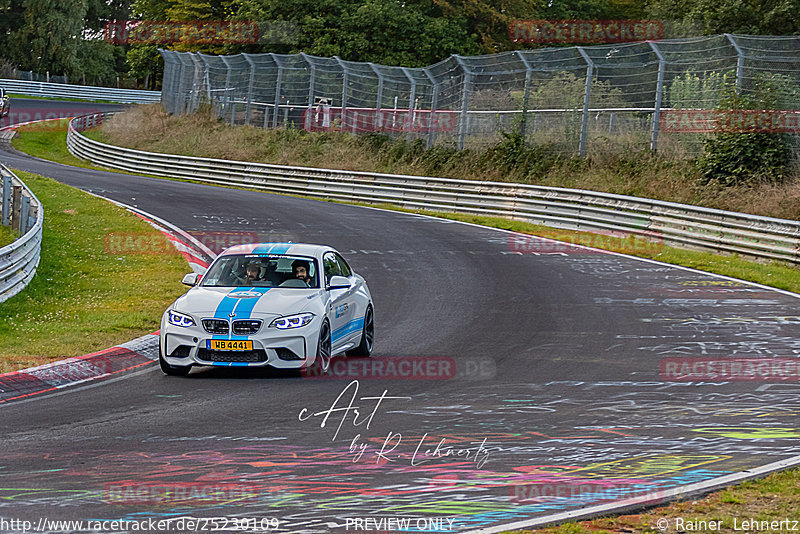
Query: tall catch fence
(581, 99)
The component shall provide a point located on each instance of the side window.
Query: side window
(344, 269)
(330, 266)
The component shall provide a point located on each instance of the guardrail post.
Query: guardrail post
(659, 93)
(586, 95)
(739, 61)
(24, 208)
(16, 195)
(526, 95)
(6, 200)
(462, 129)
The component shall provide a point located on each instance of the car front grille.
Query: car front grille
(238, 356)
(215, 326)
(246, 327)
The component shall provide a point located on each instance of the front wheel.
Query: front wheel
(367, 336)
(322, 363)
(172, 370)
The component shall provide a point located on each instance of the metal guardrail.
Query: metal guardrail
(676, 224)
(86, 92)
(23, 211)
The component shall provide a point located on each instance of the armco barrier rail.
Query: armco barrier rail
(87, 92)
(23, 211)
(676, 224)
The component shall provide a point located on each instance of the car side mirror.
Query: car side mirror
(338, 282)
(191, 279)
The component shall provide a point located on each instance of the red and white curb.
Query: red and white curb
(57, 375)
(102, 364)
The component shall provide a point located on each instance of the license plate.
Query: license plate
(229, 344)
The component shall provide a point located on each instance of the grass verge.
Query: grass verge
(85, 296)
(48, 140)
(775, 498)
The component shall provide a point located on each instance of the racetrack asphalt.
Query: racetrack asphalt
(548, 391)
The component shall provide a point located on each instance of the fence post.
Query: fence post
(586, 96)
(379, 99)
(411, 104)
(249, 108)
(462, 129)
(311, 79)
(228, 86)
(434, 103)
(526, 94)
(739, 61)
(6, 200)
(345, 81)
(659, 93)
(278, 83)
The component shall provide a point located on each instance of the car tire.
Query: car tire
(172, 370)
(322, 361)
(367, 335)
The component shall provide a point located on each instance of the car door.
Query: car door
(339, 307)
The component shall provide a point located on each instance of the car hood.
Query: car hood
(246, 302)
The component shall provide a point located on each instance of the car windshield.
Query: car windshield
(262, 270)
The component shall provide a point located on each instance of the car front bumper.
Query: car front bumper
(283, 349)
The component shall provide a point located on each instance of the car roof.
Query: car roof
(299, 249)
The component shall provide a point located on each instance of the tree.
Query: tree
(488, 22)
(391, 32)
(754, 17)
(11, 19)
(49, 38)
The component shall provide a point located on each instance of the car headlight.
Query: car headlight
(179, 319)
(292, 321)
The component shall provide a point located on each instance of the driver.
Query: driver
(300, 270)
(253, 272)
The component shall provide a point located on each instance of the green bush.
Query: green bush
(733, 158)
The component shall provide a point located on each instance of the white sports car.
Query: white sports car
(285, 305)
